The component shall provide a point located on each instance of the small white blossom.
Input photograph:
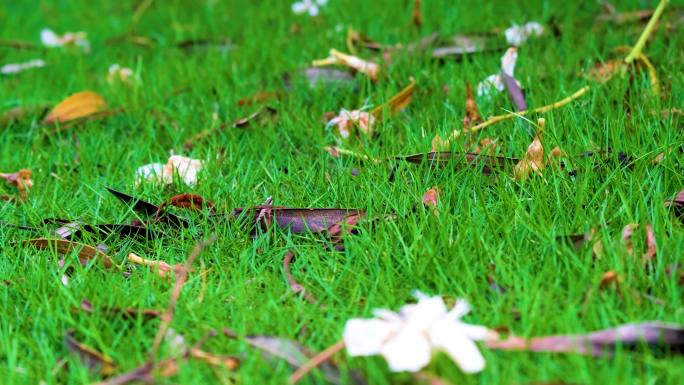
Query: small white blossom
(496, 82)
(518, 34)
(310, 6)
(14, 68)
(408, 339)
(118, 73)
(50, 39)
(184, 167)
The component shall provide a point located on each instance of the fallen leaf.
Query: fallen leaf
(533, 161)
(603, 72)
(462, 45)
(85, 253)
(398, 102)
(472, 115)
(89, 356)
(21, 180)
(650, 241)
(417, 14)
(514, 92)
(431, 199)
(259, 97)
(79, 105)
(148, 209)
(655, 335)
(676, 203)
(439, 144)
(297, 220)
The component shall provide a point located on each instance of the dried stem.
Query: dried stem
(539, 110)
(180, 282)
(316, 361)
(639, 46)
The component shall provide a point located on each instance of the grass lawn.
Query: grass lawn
(490, 228)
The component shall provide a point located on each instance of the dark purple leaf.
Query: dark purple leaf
(655, 335)
(514, 92)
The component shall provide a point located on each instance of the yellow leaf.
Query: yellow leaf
(79, 105)
(398, 101)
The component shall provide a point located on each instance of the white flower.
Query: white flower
(184, 167)
(496, 81)
(50, 39)
(310, 6)
(14, 68)
(518, 34)
(408, 339)
(116, 72)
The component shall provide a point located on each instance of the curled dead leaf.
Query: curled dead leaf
(21, 180)
(85, 252)
(649, 241)
(472, 115)
(398, 102)
(533, 161)
(431, 199)
(79, 105)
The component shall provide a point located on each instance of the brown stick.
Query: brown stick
(180, 282)
(315, 361)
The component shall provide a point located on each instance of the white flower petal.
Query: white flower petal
(185, 167)
(299, 7)
(484, 88)
(50, 39)
(322, 2)
(508, 61)
(364, 337)
(149, 171)
(446, 335)
(475, 332)
(424, 313)
(14, 68)
(408, 350)
(313, 10)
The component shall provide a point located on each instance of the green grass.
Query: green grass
(489, 225)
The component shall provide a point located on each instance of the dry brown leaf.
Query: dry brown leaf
(431, 199)
(417, 15)
(398, 102)
(472, 115)
(649, 241)
(21, 179)
(533, 161)
(603, 72)
(85, 252)
(79, 105)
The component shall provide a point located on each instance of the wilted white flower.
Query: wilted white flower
(118, 73)
(50, 39)
(310, 6)
(518, 34)
(184, 167)
(408, 339)
(14, 68)
(347, 120)
(496, 81)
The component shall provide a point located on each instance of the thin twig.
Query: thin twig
(296, 287)
(511, 115)
(639, 46)
(315, 361)
(180, 282)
